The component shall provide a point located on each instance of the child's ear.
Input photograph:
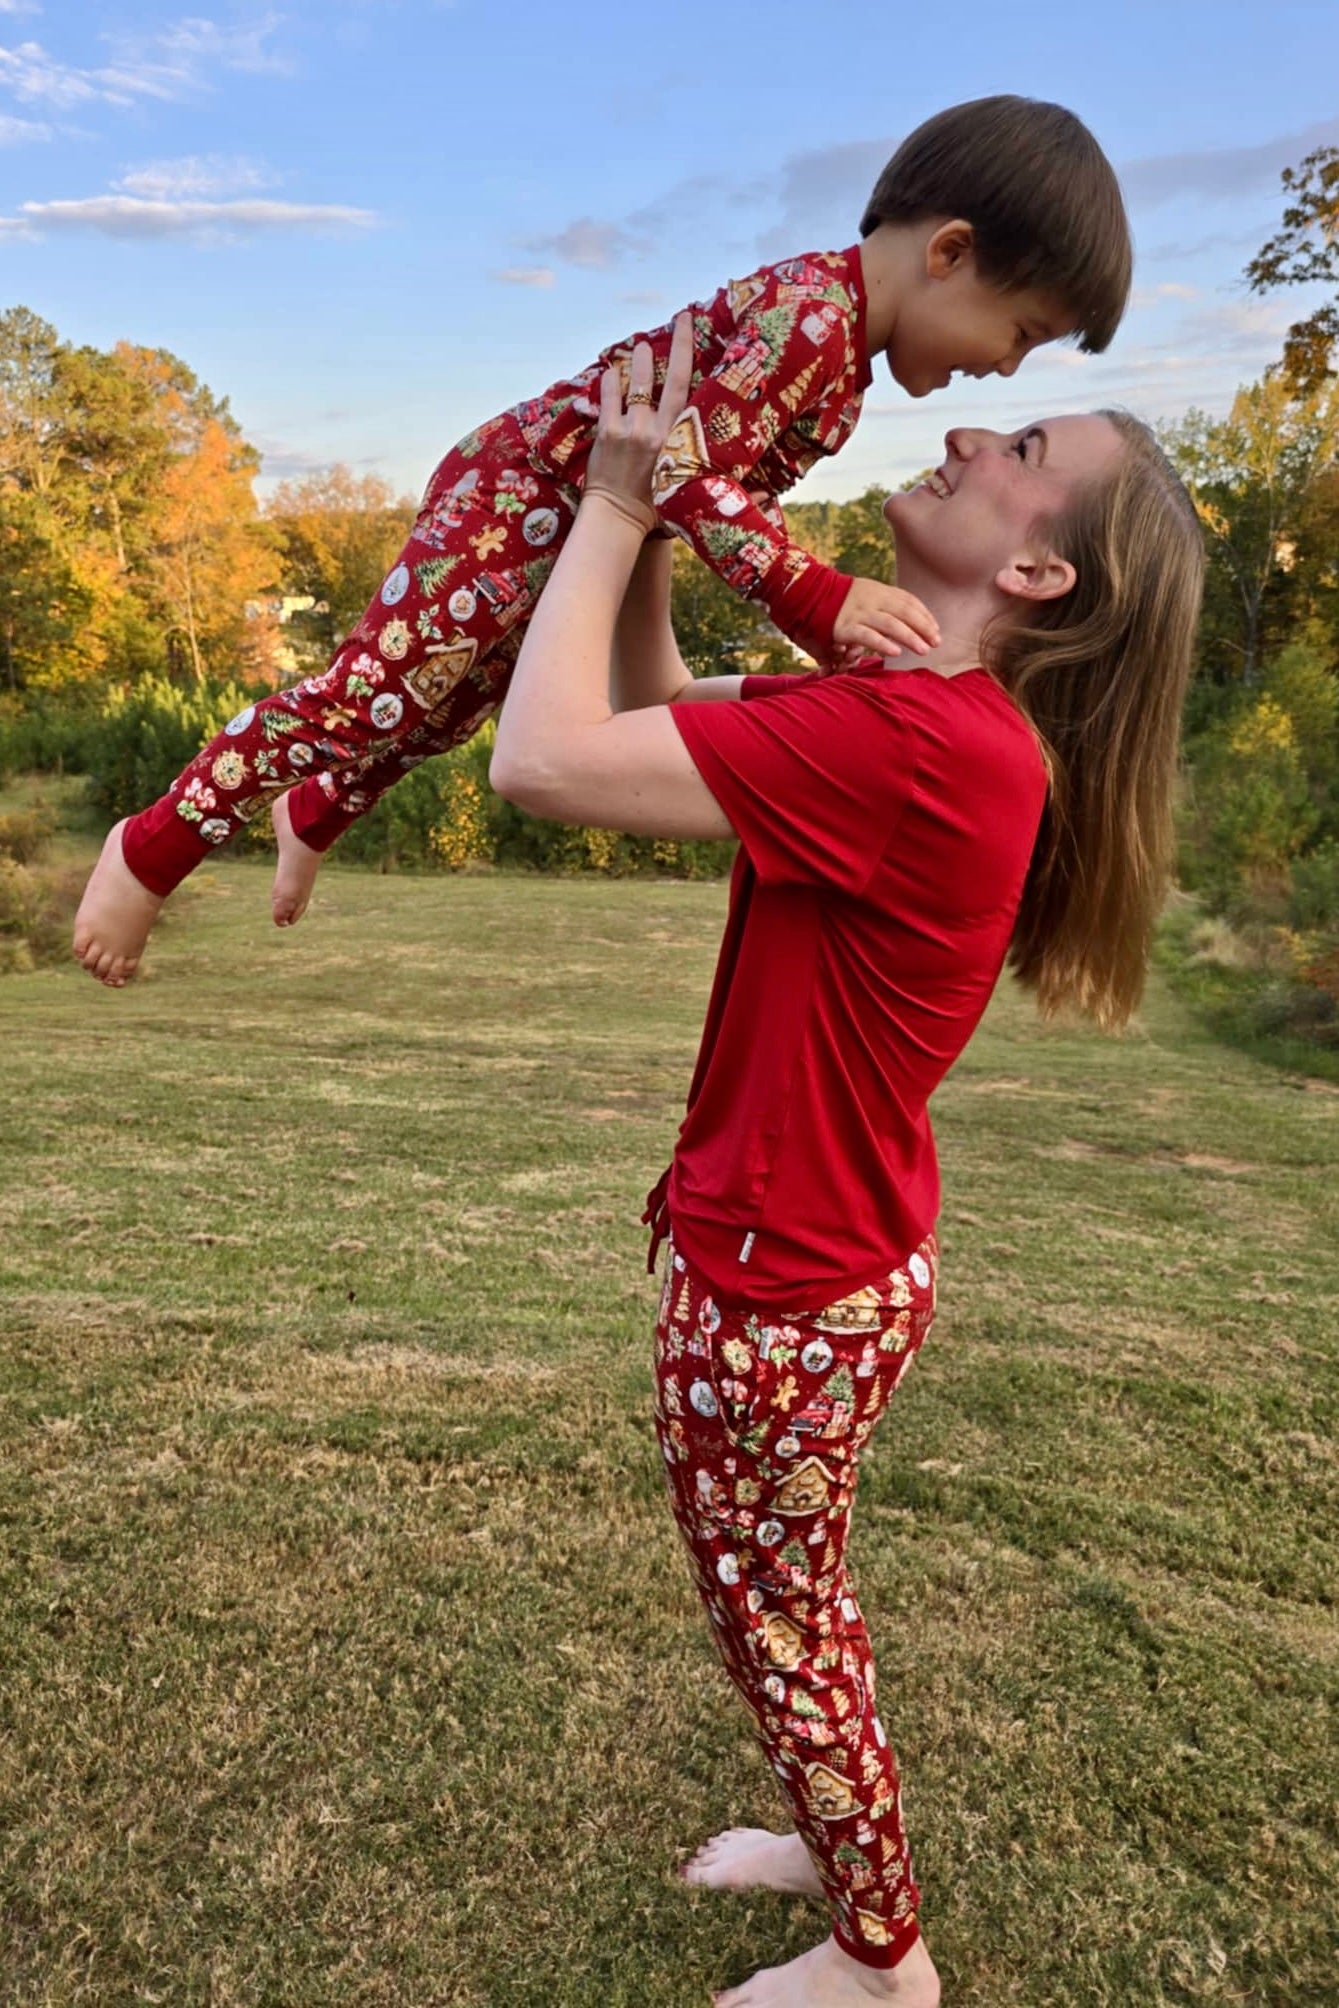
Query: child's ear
(949, 246)
(1037, 577)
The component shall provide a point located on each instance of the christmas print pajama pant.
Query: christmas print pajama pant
(761, 1420)
(427, 663)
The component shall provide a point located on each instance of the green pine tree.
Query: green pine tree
(433, 570)
(774, 324)
(841, 1386)
(724, 539)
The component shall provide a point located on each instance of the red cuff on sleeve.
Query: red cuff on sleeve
(161, 848)
(314, 820)
(808, 610)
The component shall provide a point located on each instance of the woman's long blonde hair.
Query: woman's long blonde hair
(1101, 675)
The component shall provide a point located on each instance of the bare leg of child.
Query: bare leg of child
(114, 917)
(295, 873)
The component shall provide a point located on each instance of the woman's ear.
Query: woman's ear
(948, 247)
(1033, 576)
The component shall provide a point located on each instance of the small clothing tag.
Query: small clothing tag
(747, 1249)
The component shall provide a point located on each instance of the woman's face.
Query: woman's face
(970, 519)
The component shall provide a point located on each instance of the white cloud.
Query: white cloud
(17, 132)
(129, 216)
(195, 174)
(165, 67)
(642, 299)
(525, 275)
(20, 7)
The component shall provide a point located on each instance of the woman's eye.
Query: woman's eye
(1020, 446)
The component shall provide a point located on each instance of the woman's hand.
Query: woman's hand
(628, 441)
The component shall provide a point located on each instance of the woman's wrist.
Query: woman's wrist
(640, 515)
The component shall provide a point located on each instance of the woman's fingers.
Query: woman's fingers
(641, 376)
(611, 398)
(679, 374)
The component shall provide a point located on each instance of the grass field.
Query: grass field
(347, 1654)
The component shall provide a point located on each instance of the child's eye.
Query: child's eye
(1021, 338)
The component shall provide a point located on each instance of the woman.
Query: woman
(901, 831)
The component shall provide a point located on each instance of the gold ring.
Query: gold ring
(640, 397)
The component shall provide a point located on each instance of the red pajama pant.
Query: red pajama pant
(761, 1420)
(426, 664)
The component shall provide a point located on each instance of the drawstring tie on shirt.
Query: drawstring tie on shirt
(656, 1217)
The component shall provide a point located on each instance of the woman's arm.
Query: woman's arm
(561, 750)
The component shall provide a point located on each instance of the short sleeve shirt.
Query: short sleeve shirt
(886, 820)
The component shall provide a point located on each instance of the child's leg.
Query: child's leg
(761, 1423)
(425, 664)
(312, 816)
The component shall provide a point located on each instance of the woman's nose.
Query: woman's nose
(963, 441)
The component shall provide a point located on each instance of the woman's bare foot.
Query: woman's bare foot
(295, 874)
(753, 1858)
(114, 917)
(827, 1977)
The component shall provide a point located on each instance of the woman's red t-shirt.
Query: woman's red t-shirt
(886, 821)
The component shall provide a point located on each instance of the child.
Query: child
(997, 226)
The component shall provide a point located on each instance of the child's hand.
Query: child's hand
(628, 441)
(883, 620)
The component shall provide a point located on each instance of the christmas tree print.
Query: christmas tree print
(794, 394)
(841, 1386)
(537, 571)
(724, 539)
(278, 724)
(774, 324)
(433, 570)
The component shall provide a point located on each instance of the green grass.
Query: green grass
(348, 1654)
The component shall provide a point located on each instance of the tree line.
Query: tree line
(139, 575)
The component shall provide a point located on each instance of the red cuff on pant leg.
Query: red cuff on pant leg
(162, 848)
(313, 819)
(903, 1937)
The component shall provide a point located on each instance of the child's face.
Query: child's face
(956, 321)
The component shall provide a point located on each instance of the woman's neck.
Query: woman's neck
(963, 614)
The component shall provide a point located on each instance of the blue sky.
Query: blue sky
(371, 223)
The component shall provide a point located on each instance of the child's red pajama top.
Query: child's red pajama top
(886, 820)
(779, 370)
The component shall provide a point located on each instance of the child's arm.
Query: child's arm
(646, 666)
(787, 358)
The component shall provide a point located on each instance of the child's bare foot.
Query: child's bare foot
(827, 1977)
(753, 1858)
(295, 874)
(114, 917)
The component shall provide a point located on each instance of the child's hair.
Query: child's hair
(1101, 674)
(1040, 194)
